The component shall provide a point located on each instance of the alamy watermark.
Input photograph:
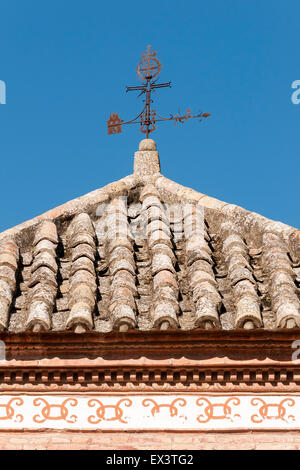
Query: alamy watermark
(154, 221)
(2, 92)
(296, 94)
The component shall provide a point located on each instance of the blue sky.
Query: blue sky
(66, 65)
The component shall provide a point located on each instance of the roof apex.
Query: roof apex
(147, 171)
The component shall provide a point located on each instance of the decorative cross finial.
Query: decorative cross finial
(148, 68)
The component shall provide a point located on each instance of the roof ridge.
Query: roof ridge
(232, 210)
(77, 205)
(162, 183)
(147, 171)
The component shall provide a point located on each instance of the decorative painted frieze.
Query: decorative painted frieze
(150, 412)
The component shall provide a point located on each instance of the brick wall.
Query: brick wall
(289, 440)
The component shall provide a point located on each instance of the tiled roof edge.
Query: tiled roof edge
(233, 211)
(75, 206)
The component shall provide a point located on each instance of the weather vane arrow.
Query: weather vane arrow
(148, 68)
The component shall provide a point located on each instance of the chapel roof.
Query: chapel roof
(147, 253)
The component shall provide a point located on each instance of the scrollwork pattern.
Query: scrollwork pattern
(156, 407)
(209, 409)
(46, 410)
(265, 408)
(100, 411)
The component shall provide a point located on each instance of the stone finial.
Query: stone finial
(146, 160)
(147, 144)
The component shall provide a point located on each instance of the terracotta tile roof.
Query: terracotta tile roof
(145, 252)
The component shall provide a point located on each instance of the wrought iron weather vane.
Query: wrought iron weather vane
(147, 70)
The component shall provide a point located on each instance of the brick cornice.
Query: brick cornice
(193, 361)
(66, 345)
